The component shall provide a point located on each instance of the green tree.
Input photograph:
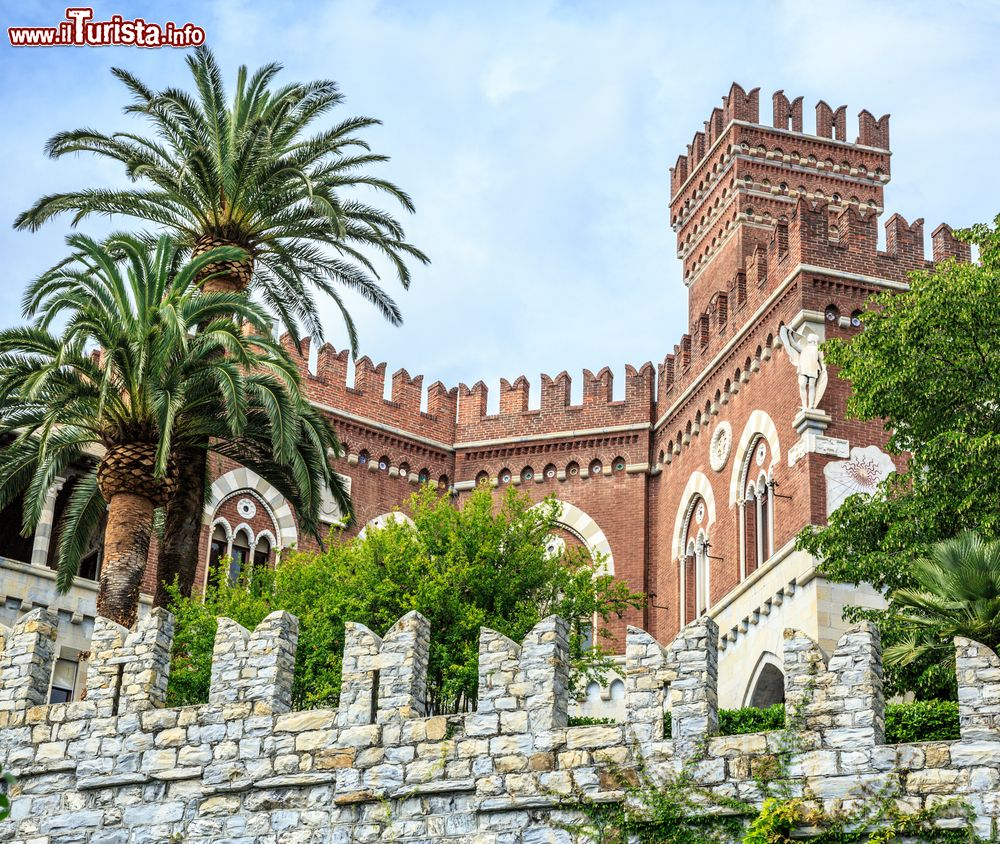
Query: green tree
(248, 172)
(957, 593)
(928, 364)
(482, 565)
(129, 380)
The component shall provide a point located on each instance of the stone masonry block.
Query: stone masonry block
(402, 689)
(26, 661)
(978, 670)
(840, 700)
(693, 657)
(384, 680)
(499, 661)
(647, 676)
(544, 671)
(255, 668)
(129, 670)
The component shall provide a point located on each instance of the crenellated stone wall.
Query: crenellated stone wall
(119, 767)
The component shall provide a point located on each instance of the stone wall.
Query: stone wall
(119, 768)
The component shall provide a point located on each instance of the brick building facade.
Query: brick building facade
(693, 486)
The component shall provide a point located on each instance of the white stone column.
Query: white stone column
(759, 537)
(43, 531)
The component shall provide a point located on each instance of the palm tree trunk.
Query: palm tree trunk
(230, 276)
(126, 547)
(182, 527)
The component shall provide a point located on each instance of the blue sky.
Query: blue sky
(536, 140)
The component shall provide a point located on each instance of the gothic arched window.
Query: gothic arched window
(756, 508)
(695, 573)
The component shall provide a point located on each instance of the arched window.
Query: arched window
(757, 508)
(239, 555)
(219, 546)
(695, 571)
(262, 551)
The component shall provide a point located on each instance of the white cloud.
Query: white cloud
(536, 140)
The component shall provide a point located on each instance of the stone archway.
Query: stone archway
(767, 685)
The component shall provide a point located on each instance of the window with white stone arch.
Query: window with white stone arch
(751, 490)
(278, 508)
(379, 522)
(757, 509)
(581, 525)
(692, 529)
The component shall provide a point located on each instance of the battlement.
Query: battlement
(842, 237)
(243, 768)
(743, 106)
(818, 234)
(328, 386)
(555, 413)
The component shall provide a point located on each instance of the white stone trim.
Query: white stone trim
(43, 530)
(584, 528)
(247, 531)
(766, 658)
(222, 522)
(698, 484)
(270, 537)
(759, 423)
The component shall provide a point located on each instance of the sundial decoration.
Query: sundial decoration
(861, 473)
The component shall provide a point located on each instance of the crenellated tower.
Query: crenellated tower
(736, 188)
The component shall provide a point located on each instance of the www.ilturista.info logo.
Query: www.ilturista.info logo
(81, 30)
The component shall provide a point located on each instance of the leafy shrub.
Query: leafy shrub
(750, 719)
(586, 721)
(482, 565)
(922, 720)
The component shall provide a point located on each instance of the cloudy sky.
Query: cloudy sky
(536, 140)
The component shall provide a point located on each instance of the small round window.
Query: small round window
(550, 471)
(595, 467)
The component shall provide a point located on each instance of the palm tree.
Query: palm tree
(957, 594)
(130, 382)
(244, 172)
